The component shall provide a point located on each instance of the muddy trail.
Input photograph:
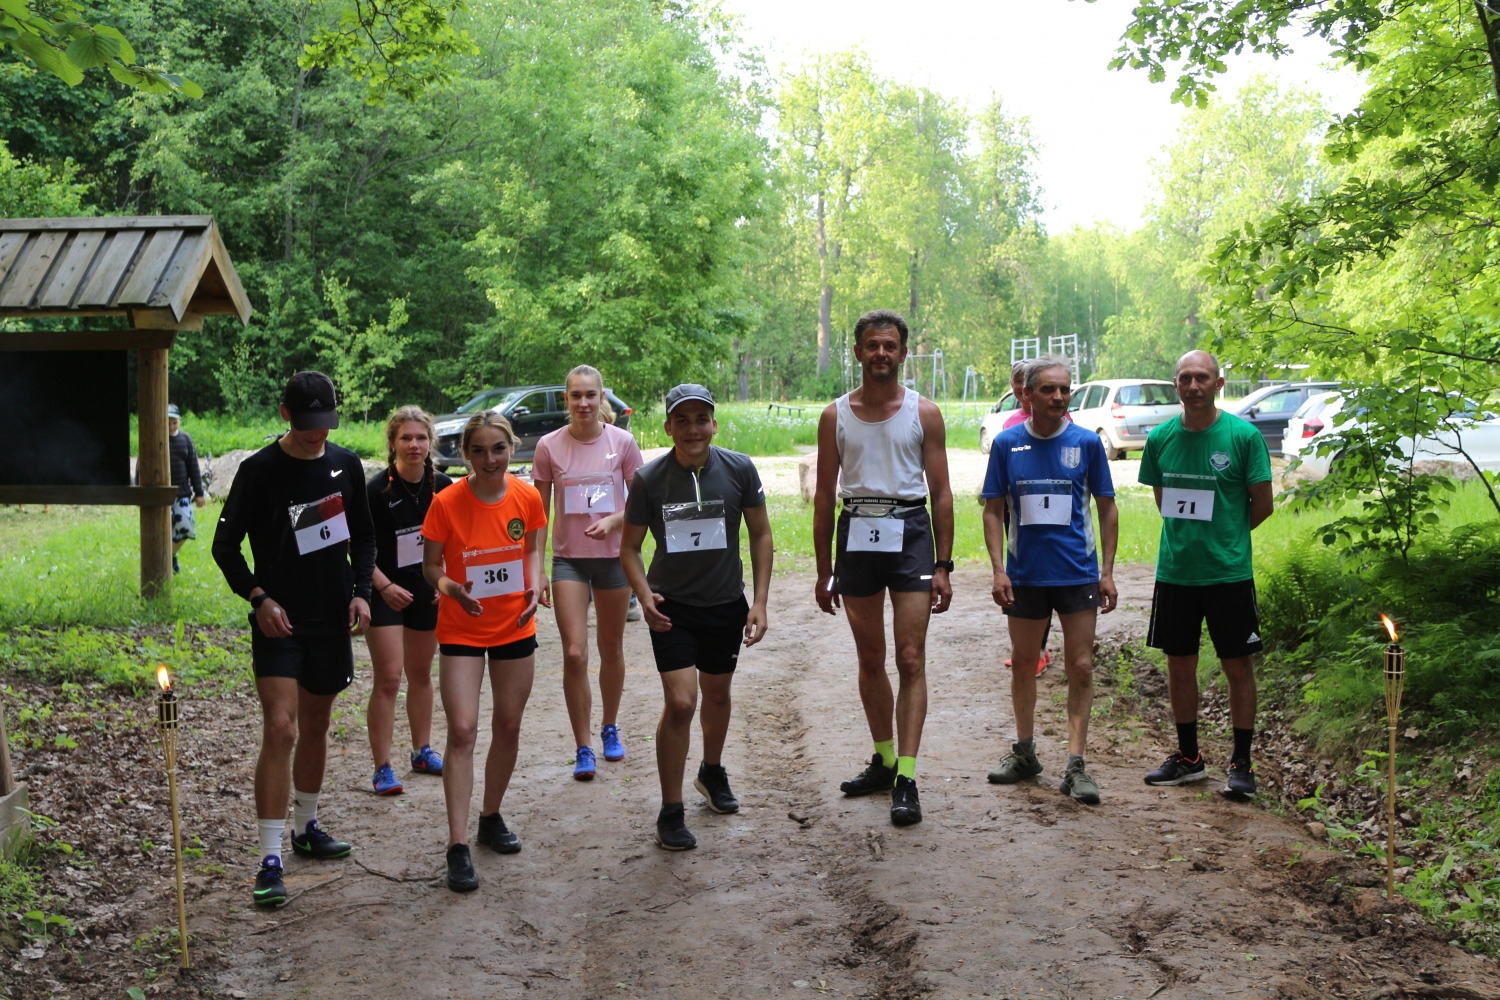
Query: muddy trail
(1001, 892)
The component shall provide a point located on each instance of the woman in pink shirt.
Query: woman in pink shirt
(586, 467)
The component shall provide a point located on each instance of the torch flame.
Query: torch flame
(1390, 626)
(163, 678)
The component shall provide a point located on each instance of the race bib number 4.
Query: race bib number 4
(1046, 508)
(319, 525)
(876, 534)
(1187, 505)
(409, 546)
(696, 534)
(495, 572)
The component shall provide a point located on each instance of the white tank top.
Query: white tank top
(882, 459)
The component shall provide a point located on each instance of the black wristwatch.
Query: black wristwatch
(946, 564)
(258, 600)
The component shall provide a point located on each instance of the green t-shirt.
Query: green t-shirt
(1205, 478)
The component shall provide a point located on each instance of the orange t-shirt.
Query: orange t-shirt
(486, 540)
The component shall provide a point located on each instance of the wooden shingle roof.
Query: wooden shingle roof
(169, 270)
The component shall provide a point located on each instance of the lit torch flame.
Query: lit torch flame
(163, 678)
(1390, 626)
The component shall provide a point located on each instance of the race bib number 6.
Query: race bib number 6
(1187, 505)
(319, 525)
(495, 572)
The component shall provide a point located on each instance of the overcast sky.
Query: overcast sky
(1047, 59)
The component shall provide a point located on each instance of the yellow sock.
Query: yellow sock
(887, 751)
(906, 767)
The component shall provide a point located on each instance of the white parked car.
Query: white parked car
(1479, 436)
(1123, 411)
(994, 421)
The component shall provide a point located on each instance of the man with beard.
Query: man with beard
(888, 445)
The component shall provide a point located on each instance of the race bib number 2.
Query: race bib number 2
(409, 546)
(1187, 505)
(876, 534)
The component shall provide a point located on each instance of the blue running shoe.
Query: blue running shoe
(427, 761)
(270, 890)
(613, 748)
(583, 768)
(385, 781)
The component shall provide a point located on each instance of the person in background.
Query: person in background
(188, 478)
(403, 607)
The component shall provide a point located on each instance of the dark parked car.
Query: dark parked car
(533, 410)
(1271, 407)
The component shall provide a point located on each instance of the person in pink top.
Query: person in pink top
(586, 468)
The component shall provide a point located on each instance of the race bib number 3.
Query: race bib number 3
(1187, 505)
(1046, 508)
(409, 546)
(876, 534)
(495, 572)
(696, 534)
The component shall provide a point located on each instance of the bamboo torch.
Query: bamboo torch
(166, 723)
(1395, 680)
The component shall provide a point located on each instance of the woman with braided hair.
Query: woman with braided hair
(403, 609)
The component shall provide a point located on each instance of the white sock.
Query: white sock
(304, 809)
(270, 837)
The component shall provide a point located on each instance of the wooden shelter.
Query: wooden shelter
(164, 274)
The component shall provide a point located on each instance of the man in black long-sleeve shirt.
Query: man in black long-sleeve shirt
(302, 502)
(188, 479)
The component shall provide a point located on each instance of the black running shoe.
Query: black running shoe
(1241, 783)
(713, 782)
(314, 843)
(269, 889)
(672, 833)
(494, 834)
(1178, 770)
(906, 808)
(461, 877)
(875, 778)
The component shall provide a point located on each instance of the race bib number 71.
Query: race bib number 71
(1187, 505)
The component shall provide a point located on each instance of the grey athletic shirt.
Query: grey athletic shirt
(702, 577)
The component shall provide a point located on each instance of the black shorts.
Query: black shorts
(707, 638)
(1038, 603)
(419, 616)
(1178, 613)
(865, 574)
(518, 650)
(321, 661)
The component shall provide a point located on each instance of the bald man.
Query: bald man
(1212, 477)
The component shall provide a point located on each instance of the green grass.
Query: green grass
(220, 433)
(752, 429)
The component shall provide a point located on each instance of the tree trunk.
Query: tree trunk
(288, 222)
(826, 261)
(743, 361)
(911, 313)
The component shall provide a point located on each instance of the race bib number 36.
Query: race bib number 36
(876, 534)
(495, 572)
(696, 534)
(1187, 505)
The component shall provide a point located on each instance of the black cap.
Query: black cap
(311, 401)
(688, 390)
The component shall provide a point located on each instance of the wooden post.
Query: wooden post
(7, 776)
(153, 468)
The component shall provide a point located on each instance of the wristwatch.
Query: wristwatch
(946, 564)
(258, 600)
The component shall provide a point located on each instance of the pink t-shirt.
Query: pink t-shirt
(589, 479)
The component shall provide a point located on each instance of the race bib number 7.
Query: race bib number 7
(694, 527)
(1187, 505)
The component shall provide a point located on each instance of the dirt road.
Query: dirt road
(1003, 892)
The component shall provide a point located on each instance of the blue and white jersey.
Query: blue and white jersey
(1047, 484)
